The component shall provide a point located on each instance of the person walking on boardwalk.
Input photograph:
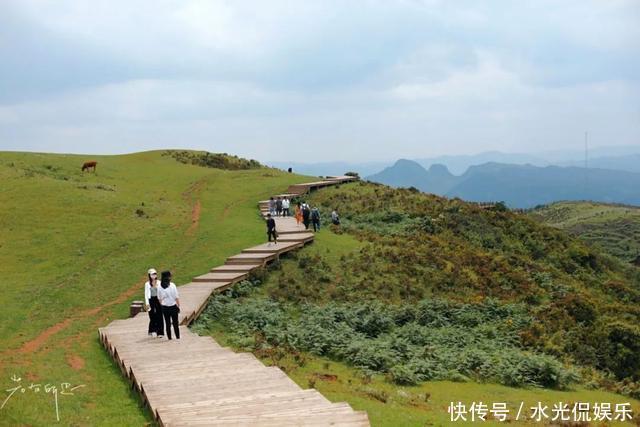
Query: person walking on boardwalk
(152, 304)
(285, 206)
(271, 229)
(306, 216)
(335, 218)
(272, 206)
(170, 300)
(298, 213)
(279, 207)
(315, 219)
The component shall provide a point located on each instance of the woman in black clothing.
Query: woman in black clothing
(170, 300)
(306, 216)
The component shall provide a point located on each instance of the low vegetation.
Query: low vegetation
(613, 228)
(437, 289)
(434, 339)
(213, 160)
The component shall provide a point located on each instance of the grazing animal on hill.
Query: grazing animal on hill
(89, 165)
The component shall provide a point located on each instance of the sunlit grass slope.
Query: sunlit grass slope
(74, 250)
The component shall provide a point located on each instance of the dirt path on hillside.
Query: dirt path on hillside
(36, 343)
(195, 218)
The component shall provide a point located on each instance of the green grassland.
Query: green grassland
(75, 248)
(614, 228)
(74, 251)
(557, 317)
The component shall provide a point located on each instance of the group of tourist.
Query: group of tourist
(161, 300)
(161, 297)
(303, 213)
(279, 206)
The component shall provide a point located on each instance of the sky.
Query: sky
(318, 80)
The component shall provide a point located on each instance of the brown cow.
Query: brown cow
(89, 165)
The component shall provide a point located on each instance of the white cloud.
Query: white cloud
(275, 79)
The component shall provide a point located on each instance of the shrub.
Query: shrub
(620, 348)
(212, 160)
(436, 339)
(404, 375)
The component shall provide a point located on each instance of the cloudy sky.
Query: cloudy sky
(318, 80)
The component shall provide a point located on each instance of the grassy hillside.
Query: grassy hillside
(418, 300)
(74, 252)
(614, 228)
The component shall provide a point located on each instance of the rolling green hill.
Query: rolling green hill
(512, 310)
(74, 252)
(614, 228)
(416, 301)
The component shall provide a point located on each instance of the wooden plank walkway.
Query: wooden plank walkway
(196, 382)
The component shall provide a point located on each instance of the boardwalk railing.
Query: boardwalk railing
(196, 382)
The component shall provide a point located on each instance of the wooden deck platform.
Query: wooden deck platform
(196, 382)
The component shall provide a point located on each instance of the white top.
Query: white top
(168, 296)
(286, 203)
(147, 292)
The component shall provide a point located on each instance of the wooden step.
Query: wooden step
(236, 268)
(278, 248)
(195, 381)
(251, 258)
(221, 277)
(296, 237)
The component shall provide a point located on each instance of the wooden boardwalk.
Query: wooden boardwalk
(196, 382)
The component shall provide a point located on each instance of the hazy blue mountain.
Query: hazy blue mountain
(629, 163)
(331, 168)
(459, 164)
(519, 186)
(528, 186)
(407, 173)
(615, 157)
(559, 157)
(404, 173)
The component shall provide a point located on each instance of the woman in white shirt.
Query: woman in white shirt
(170, 301)
(152, 304)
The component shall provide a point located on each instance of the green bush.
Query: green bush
(435, 339)
(620, 348)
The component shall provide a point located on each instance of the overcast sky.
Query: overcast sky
(318, 80)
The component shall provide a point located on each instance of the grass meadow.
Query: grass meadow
(74, 251)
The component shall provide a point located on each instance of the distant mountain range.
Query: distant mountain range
(331, 168)
(629, 163)
(624, 158)
(521, 186)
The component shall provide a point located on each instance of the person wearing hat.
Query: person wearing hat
(170, 301)
(152, 304)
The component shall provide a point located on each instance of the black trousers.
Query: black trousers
(272, 233)
(316, 225)
(155, 316)
(171, 316)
